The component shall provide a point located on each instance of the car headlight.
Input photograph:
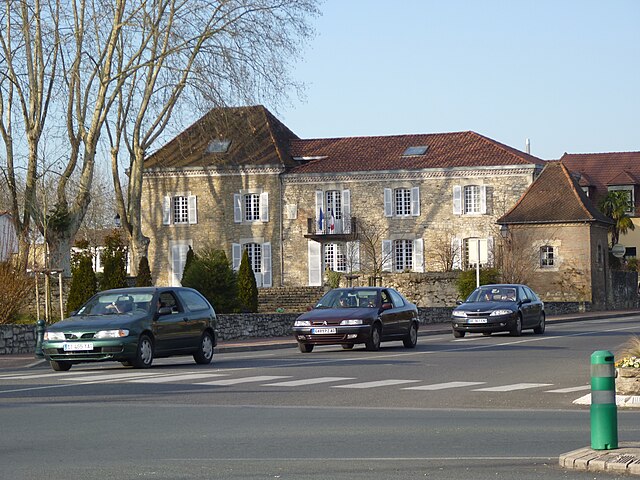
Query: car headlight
(353, 321)
(53, 336)
(302, 323)
(459, 313)
(112, 333)
(495, 313)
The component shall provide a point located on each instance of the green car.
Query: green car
(133, 326)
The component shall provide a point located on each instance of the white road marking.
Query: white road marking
(114, 376)
(442, 386)
(52, 374)
(307, 381)
(512, 387)
(235, 381)
(176, 378)
(571, 389)
(379, 383)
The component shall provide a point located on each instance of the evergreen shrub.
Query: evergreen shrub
(247, 287)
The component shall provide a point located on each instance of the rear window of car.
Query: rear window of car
(193, 300)
(396, 298)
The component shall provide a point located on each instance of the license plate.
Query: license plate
(75, 347)
(476, 320)
(323, 330)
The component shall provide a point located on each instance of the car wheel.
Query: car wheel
(373, 343)
(516, 331)
(305, 347)
(144, 355)
(60, 366)
(347, 346)
(412, 337)
(458, 333)
(204, 354)
(539, 329)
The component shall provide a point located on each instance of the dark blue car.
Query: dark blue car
(499, 308)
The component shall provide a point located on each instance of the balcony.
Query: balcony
(342, 231)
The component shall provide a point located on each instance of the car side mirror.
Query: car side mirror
(459, 302)
(526, 300)
(73, 313)
(164, 311)
(387, 306)
(309, 308)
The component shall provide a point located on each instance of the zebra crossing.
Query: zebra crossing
(235, 378)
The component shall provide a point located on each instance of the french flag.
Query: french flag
(332, 221)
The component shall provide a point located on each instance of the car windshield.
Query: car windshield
(493, 294)
(349, 298)
(114, 303)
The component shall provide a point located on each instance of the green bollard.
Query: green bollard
(39, 334)
(604, 413)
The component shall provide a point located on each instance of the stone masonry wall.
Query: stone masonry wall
(15, 339)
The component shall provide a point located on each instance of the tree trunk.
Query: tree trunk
(139, 246)
(59, 243)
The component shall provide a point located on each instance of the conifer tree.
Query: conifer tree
(83, 281)
(247, 287)
(114, 261)
(144, 274)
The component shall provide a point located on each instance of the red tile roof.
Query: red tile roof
(606, 169)
(445, 150)
(553, 197)
(257, 138)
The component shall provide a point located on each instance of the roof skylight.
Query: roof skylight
(218, 146)
(416, 150)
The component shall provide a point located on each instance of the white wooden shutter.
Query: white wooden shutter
(315, 263)
(483, 199)
(237, 208)
(266, 265)
(193, 209)
(457, 200)
(387, 257)
(418, 255)
(456, 251)
(319, 203)
(415, 201)
(236, 255)
(178, 260)
(166, 211)
(346, 211)
(264, 207)
(388, 202)
(353, 249)
(490, 255)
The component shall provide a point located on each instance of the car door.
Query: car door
(198, 316)
(525, 307)
(536, 306)
(389, 317)
(403, 314)
(171, 327)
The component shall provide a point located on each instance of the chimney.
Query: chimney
(527, 146)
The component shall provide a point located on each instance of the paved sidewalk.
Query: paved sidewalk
(625, 459)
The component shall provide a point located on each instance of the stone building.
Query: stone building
(601, 173)
(239, 179)
(557, 240)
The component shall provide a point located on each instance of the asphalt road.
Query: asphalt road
(478, 407)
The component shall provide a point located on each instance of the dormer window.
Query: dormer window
(218, 146)
(416, 150)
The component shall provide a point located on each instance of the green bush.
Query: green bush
(83, 282)
(114, 261)
(15, 289)
(191, 256)
(212, 275)
(466, 282)
(247, 287)
(333, 279)
(144, 274)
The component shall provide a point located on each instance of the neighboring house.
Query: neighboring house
(238, 179)
(555, 232)
(8, 237)
(601, 173)
(95, 237)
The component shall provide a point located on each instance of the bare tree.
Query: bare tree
(371, 236)
(196, 52)
(517, 256)
(445, 250)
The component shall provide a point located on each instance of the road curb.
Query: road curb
(625, 459)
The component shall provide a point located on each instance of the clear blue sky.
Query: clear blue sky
(564, 73)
